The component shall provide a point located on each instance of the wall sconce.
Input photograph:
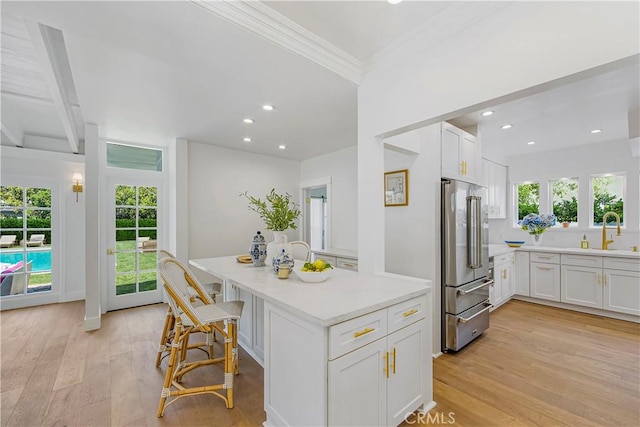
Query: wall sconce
(77, 184)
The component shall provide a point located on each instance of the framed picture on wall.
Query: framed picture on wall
(396, 188)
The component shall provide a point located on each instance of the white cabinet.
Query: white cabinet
(251, 323)
(346, 262)
(607, 283)
(544, 279)
(385, 375)
(521, 274)
(460, 154)
(503, 282)
(494, 177)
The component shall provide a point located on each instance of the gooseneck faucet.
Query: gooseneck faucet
(605, 242)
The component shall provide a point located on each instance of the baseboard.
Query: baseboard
(72, 296)
(587, 310)
(436, 355)
(92, 323)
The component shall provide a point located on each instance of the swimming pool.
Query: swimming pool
(41, 259)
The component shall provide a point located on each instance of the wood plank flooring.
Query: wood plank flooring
(536, 365)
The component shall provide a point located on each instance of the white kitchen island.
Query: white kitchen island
(353, 350)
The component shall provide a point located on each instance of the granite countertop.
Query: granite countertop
(345, 295)
(501, 249)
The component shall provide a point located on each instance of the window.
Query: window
(528, 199)
(25, 251)
(607, 194)
(565, 199)
(130, 157)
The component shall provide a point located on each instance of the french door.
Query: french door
(134, 235)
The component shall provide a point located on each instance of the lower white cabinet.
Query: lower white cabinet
(582, 285)
(521, 274)
(622, 291)
(503, 283)
(251, 323)
(545, 280)
(385, 377)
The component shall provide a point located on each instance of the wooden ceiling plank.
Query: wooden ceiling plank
(50, 58)
(11, 136)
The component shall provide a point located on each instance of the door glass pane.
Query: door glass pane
(25, 252)
(125, 195)
(125, 284)
(148, 281)
(148, 196)
(147, 217)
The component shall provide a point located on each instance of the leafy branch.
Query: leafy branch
(278, 212)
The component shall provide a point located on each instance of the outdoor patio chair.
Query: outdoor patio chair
(14, 281)
(189, 318)
(8, 240)
(36, 240)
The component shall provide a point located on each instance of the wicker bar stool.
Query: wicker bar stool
(200, 295)
(189, 318)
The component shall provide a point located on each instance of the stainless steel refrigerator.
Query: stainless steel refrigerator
(466, 275)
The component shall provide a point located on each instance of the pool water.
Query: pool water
(41, 259)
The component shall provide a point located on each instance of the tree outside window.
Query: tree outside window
(565, 199)
(607, 192)
(528, 198)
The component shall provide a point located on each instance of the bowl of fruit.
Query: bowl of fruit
(314, 272)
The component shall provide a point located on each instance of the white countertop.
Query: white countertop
(345, 295)
(498, 249)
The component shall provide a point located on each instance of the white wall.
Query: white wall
(341, 166)
(520, 46)
(220, 222)
(579, 163)
(34, 167)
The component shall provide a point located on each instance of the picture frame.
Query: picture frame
(396, 188)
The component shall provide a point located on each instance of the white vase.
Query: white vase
(275, 247)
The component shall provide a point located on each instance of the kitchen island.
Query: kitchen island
(353, 350)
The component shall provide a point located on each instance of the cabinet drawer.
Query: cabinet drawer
(406, 313)
(347, 263)
(581, 260)
(352, 334)
(549, 258)
(626, 264)
(502, 259)
(326, 258)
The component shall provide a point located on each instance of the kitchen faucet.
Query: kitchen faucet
(605, 242)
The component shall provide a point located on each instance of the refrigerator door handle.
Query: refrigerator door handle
(474, 232)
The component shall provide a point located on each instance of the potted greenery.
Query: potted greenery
(279, 213)
(566, 211)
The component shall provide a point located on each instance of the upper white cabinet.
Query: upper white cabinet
(460, 158)
(494, 177)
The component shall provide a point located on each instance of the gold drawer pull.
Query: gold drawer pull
(409, 313)
(363, 332)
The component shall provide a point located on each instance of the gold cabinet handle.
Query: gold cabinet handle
(465, 167)
(393, 365)
(386, 363)
(363, 332)
(597, 278)
(409, 313)
(605, 279)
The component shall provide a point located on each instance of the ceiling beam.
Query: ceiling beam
(11, 136)
(261, 20)
(49, 46)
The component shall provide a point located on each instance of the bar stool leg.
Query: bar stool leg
(168, 377)
(169, 322)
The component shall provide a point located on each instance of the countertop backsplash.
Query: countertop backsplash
(565, 238)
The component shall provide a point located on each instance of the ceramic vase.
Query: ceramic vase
(281, 260)
(258, 250)
(275, 247)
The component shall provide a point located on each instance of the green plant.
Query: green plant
(278, 212)
(566, 210)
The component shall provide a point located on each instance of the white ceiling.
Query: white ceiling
(151, 72)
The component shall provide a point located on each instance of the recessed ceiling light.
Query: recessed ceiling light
(394, 1)
(267, 107)
(248, 120)
(506, 126)
(487, 113)
(596, 131)
(282, 146)
(531, 142)
(247, 140)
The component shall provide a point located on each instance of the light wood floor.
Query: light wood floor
(536, 365)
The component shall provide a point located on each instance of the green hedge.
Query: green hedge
(32, 223)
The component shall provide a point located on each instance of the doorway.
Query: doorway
(133, 235)
(316, 215)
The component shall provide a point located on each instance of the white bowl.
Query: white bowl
(313, 276)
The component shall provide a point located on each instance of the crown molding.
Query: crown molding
(265, 22)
